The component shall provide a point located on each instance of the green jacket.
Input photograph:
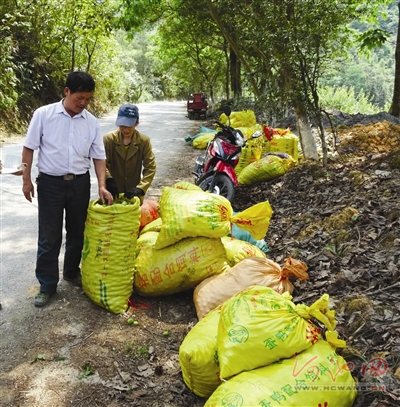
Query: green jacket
(135, 167)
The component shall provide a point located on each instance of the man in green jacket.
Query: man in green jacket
(130, 160)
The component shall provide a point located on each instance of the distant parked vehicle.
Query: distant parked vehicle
(197, 106)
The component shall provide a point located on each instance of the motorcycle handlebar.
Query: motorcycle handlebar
(221, 125)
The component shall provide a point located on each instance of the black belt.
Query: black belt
(66, 177)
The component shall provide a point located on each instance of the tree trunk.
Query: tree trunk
(233, 45)
(236, 85)
(307, 141)
(323, 142)
(395, 108)
(227, 74)
(73, 56)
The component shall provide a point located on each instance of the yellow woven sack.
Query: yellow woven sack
(245, 118)
(154, 226)
(192, 213)
(287, 143)
(198, 356)
(186, 185)
(254, 219)
(258, 326)
(201, 141)
(248, 156)
(265, 147)
(109, 252)
(249, 131)
(146, 239)
(237, 250)
(215, 290)
(178, 267)
(317, 377)
(265, 169)
(251, 152)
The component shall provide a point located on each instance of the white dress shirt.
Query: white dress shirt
(66, 144)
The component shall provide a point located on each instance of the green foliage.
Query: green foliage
(193, 58)
(86, 371)
(346, 100)
(374, 75)
(152, 49)
(8, 78)
(143, 352)
(8, 84)
(38, 357)
(41, 42)
(108, 72)
(373, 38)
(137, 15)
(296, 45)
(133, 351)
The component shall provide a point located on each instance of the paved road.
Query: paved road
(165, 123)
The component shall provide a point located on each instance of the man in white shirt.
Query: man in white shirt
(67, 137)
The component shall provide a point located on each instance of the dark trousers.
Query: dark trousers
(55, 196)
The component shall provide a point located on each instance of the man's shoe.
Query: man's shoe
(75, 281)
(42, 299)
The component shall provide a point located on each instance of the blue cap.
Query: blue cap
(127, 115)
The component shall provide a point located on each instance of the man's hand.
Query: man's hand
(134, 192)
(20, 169)
(112, 187)
(28, 190)
(105, 196)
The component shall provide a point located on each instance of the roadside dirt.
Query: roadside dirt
(343, 221)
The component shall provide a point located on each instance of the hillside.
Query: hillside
(343, 221)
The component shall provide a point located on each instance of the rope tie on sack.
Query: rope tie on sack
(320, 311)
(293, 267)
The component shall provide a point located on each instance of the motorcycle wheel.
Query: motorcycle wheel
(223, 186)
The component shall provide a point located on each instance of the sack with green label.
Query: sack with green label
(258, 326)
(108, 255)
(198, 356)
(317, 377)
(193, 213)
(269, 167)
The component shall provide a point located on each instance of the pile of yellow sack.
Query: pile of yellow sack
(190, 240)
(245, 118)
(164, 247)
(258, 348)
(266, 157)
(263, 158)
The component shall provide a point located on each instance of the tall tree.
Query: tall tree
(190, 44)
(395, 107)
(42, 40)
(299, 40)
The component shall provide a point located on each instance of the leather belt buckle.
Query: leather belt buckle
(69, 177)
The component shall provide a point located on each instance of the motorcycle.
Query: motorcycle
(215, 170)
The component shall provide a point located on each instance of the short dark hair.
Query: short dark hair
(79, 81)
